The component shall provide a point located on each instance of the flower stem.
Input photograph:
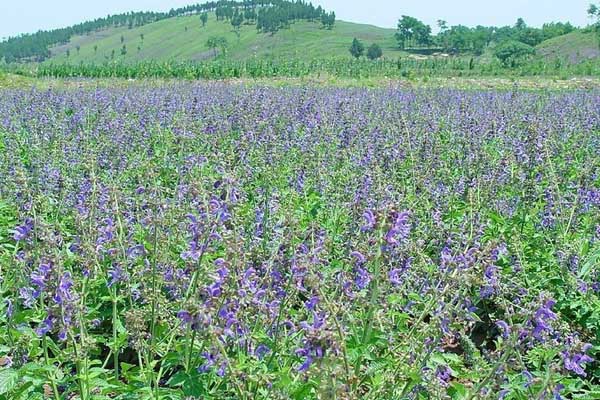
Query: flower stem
(50, 378)
(115, 318)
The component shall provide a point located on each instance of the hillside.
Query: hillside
(574, 47)
(184, 38)
(284, 30)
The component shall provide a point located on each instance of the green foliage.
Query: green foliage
(530, 36)
(328, 20)
(215, 42)
(594, 11)
(511, 53)
(460, 38)
(250, 15)
(555, 29)
(281, 15)
(412, 33)
(289, 67)
(374, 52)
(236, 22)
(8, 380)
(357, 49)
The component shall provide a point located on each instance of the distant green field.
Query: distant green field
(168, 39)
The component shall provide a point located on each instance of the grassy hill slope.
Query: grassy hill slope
(574, 47)
(168, 39)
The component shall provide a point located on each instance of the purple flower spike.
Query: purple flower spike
(400, 228)
(185, 317)
(576, 362)
(45, 327)
(21, 232)
(363, 278)
(359, 257)
(370, 221)
(504, 328)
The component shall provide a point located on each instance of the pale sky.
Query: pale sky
(20, 16)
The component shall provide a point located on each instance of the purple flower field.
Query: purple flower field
(219, 241)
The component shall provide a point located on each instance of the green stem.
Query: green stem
(47, 358)
(154, 287)
(189, 292)
(80, 380)
(502, 361)
(190, 351)
(115, 317)
(371, 307)
(340, 334)
(161, 369)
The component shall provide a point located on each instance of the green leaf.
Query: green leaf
(178, 379)
(23, 392)
(593, 394)
(459, 391)
(589, 264)
(8, 380)
(303, 391)
(192, 383)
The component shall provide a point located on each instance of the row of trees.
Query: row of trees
(272, 19)
(270, 16)
(414, 34)
(36, 46)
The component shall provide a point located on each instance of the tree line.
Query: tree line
(271, 16)
(511, 44)
(268, 15)
(35, 46)
(414, 34)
